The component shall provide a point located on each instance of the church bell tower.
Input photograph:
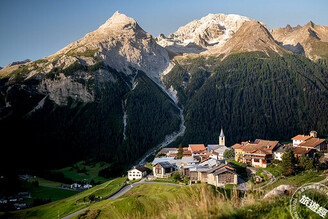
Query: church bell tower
(222, 138)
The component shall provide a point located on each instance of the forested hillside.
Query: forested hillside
(54, 135)
(252, 96)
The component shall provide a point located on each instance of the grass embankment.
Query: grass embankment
(83, 171)
(299, 179)
(69, 205)
(196, 201)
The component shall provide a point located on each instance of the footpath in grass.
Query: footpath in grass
(68, 205)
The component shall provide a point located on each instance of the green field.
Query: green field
(45, 182)
(68, 205)
(42, 192)
(76, 173)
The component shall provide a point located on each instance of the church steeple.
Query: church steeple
(222, 138)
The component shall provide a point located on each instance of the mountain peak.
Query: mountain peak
(119, 21)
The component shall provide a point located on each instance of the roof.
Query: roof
(197, 148)
(221, 134)
(224, 170)
(161, 159)
(143, 169)
(188, 160)
(219, 167)
(267, 144)
(262, 151)
(165, 164)
(251, 147)
(237, 146)
(302, 137)
(210, 162)
(312, 142)
(175, 162)
(299, 150)
(282, 148)
(211, 147)
(166, 150)
(221, 149)
(186, 153)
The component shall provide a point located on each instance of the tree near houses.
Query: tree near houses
(306, 163)
(180, 152)
(229, 153)
(288, 162)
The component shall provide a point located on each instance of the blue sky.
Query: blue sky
(37, 28)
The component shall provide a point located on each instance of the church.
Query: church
(217, 150)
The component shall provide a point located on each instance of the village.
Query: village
(215, 164)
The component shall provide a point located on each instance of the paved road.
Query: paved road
(122, 192)
(242, 184)
(75, 213)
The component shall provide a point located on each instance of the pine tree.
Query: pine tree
(180, 152)
(288, 162)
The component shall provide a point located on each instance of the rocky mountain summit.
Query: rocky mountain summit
(119, 43)
(311, 40)
(211, 31)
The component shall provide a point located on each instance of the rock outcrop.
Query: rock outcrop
(311, 40)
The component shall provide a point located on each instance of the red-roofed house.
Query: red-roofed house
(197, 149)
(298, 139)
(315, 143)
(299, 151)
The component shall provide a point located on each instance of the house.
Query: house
(197, 149)
(277, 154)
(298, 139)
(221, 175)
(163, 169)
(138, 173)
(3, 201)
(19, 206)
(169, 152)
(258, 158)
(257, 154)
(24, 195)
(238, 149)
(195, 172)
(186, 153)
(218, 153)
(87, 186)
(308, 152)
(75, 186)
(315, 143)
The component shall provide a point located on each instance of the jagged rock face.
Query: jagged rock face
(214, 30)
(121, 44)
(63, 87)
(311, 40)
